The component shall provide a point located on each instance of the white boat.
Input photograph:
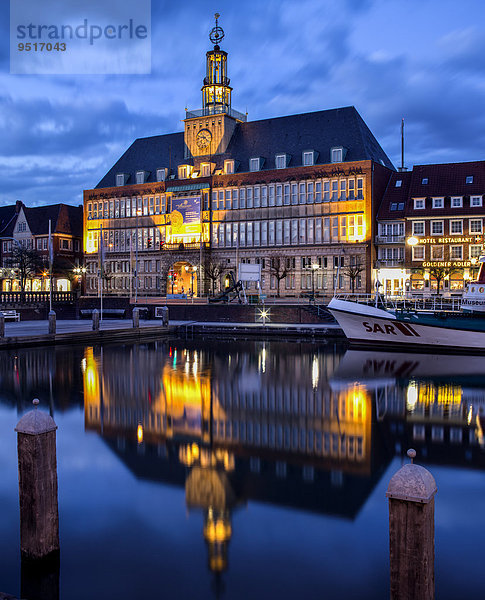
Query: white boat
(396, 326)
(474, 295)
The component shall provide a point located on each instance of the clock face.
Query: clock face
(203, 138)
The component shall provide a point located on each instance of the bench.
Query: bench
(11, 314)
(107, 312)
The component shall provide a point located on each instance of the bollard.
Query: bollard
(165, 316)
(2, 325)
(95, 320)
(39, 517)
(52, 322)
(136, 317)
(411, 532)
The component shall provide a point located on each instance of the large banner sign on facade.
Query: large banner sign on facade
(185, 215)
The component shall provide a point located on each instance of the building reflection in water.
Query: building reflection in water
(290, 424)
(232, 425)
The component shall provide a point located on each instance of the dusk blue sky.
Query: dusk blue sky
(421, 60)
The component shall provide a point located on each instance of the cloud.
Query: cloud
(60, 134)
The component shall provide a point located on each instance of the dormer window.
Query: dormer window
(281, 161)
(336, 154)
(469, 179)
(438, 202)
(229, 167)
(205, 169)
(255, 164)
(120, 179)
(162, 174)
(184, 171)
(141, 176)
(308, 158)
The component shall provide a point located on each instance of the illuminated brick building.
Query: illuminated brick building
(299, 192)
(430, 227)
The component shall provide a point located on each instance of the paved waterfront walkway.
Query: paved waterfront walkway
(35, 333)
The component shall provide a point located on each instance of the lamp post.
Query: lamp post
(315, 266)
(79, 271)
(138, 213)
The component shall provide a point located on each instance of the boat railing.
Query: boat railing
(404, 303)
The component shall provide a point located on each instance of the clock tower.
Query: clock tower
(208, 131)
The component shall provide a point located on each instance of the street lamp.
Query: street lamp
(79, 271)
(315, 266)
(138, 214)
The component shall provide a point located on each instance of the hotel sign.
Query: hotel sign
(476, 239)
(447, 264)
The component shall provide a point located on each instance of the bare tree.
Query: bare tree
(280, 267)
(440, 273)
(213, 270)
(353, 271)
(28, 262)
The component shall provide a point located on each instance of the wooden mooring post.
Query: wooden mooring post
(39, 516)
(411, 494)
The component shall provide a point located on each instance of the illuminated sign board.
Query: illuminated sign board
(185, 218)
(451, 240)
(447, 264)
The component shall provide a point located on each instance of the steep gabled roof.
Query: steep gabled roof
(7, 219)
(319, 131)
(395, 199)
(147, 154)
(64, 219)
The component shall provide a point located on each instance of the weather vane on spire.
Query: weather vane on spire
(216, 34)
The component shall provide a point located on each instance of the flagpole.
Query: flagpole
(50, 266)
(101, 267)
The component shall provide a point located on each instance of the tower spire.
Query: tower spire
(216, 91)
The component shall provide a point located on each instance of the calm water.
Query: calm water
(244, 469)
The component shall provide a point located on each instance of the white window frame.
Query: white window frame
(419, 223)
(438, 202)
(419, 203)
(476, 201)
(415, 250)
(140, 177)
(254, 164)
(456, 202)
(336, 154)
(442, 227)
(162, 174)
(120, 179)
(434, 248)
(308, 158)
(461, 252)
(205, 169)
(454, 222)
(229, 167)
(281, 161)
(470, 229)
(477, 248)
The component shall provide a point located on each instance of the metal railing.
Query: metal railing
(401, 302)
(215, 110)
(36, 297)
(390, 239)
(389, 262)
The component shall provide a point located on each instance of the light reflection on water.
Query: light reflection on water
(241, 469)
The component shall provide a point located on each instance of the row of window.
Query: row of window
(281, 161)
(43, 244)
(437, 252)
(439, 202)
(288, 232)
(455, 227)
(425, 180)
(309, 192)
(289, 438)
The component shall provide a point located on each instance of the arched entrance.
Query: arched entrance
(182, 279)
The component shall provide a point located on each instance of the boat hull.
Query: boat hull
(380, 328)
